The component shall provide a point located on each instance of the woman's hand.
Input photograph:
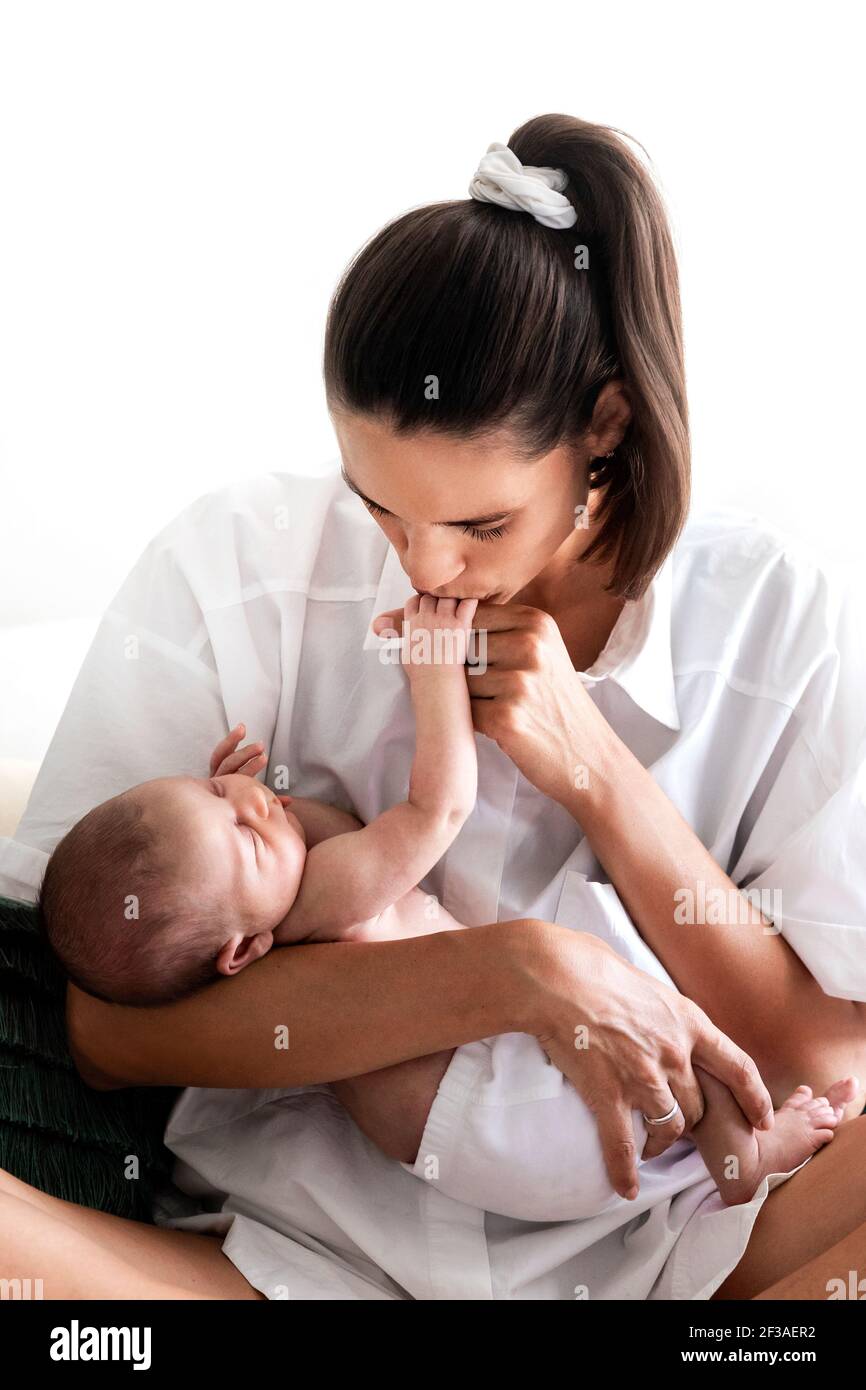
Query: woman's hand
(391, 1001)
(528, 698)
(628, 1042)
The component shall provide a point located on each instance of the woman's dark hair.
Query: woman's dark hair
(491, 303)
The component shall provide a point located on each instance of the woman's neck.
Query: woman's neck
(574, 595)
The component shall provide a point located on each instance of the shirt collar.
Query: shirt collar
(637, 655)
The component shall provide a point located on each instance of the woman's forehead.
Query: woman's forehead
(363, 435)
(435, 477)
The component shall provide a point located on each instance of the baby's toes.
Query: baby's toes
(798, 1099)
(841, 1093)
(820, 1115)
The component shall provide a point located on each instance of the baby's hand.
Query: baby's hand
(227, 757)
(436, 632)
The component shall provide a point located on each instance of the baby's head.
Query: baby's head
(168, 886)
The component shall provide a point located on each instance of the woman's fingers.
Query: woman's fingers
(504, 617)
(690, 1108)
(616, 1132)
(715, 1052)
(647, 1041)
(656, 1102)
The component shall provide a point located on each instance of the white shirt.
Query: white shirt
(738, 679)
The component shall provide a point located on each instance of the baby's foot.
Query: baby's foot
(802, 1126)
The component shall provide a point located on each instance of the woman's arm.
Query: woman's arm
(308, 1014)
(756, 988)
(744, 974)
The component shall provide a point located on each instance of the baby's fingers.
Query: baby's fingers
(248, 760)
(446, 607)
(226, 746)
(387, 623)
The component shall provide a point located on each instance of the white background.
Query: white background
(182, 184)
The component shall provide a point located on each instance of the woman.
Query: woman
(506, 380)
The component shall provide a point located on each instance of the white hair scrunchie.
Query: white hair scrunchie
(501, 178)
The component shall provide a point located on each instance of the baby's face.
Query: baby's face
(232, 840)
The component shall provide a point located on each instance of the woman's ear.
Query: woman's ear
(610, 419)
(242, 950)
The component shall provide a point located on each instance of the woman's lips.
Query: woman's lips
(482, 598)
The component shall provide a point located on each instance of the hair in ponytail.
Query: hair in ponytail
(492, 303)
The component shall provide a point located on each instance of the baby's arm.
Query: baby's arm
(353, 877)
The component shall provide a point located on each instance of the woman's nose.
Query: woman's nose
(431, 564)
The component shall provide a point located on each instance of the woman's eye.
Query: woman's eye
(489, 533)
(492, 533)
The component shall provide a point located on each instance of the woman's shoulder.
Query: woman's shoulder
(736, 544)
(758, 603)
(288, 530)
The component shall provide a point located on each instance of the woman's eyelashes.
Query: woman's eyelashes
(478, 533)
(492, 533)
(375, 508)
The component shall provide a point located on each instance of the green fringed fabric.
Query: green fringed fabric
(102, 1149)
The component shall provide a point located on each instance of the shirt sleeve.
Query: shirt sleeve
(146, 703)
(801, 849)
(803, 856)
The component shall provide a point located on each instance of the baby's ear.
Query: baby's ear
(242, 950)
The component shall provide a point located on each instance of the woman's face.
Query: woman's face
(467, 519)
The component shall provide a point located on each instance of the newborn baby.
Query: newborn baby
(180, 880)
(163, 889)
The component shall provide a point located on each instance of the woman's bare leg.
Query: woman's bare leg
(814, 1281)
(84, 1254)
(807, 1219)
